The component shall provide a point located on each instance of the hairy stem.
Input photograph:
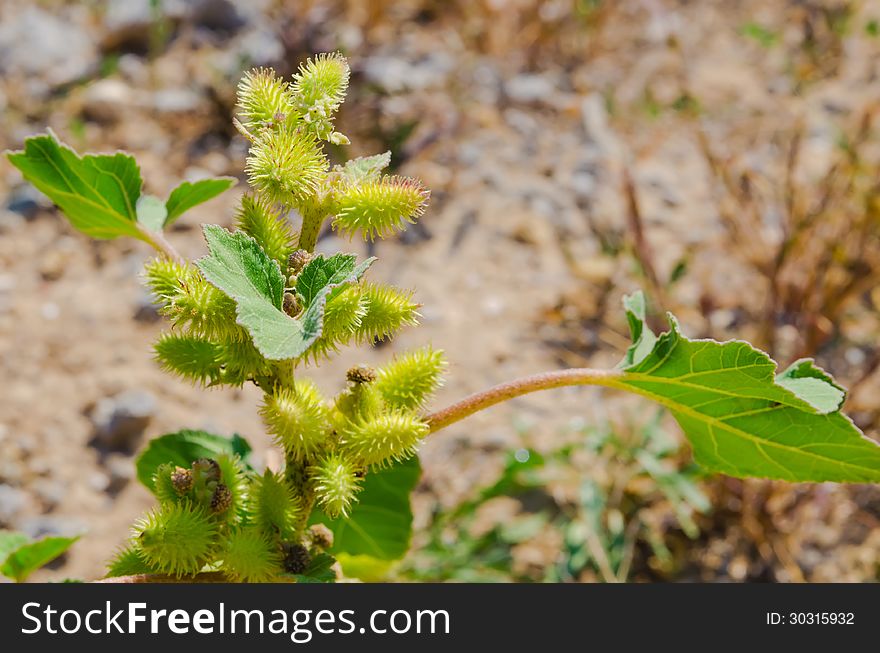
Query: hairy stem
(162, 245)
(506, 391)
(312, 219)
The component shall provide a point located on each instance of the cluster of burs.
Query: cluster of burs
(218, 515)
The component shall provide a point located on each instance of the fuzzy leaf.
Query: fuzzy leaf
(241, 269)
(151, 212)
(365, 168)
(97, 192)
(182, 448)
(28, 556)
(380, 522)
(740, 417)
(190, 194)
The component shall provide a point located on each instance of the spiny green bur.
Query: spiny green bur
(261, 305)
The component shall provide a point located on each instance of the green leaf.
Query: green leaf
(190, 194)
(365, 168)
(740, 417)
(30, 556)
(97, 192)
(241, 269)
(151, 212)
(9, 542)
(182, 448)
(322, 272)
(319, 570)
(380, 522)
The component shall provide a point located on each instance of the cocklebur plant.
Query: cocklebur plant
(262, 306)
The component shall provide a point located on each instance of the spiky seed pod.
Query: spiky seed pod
(165, 277)
(410, 380)
(273, 506)
(257, 218)
(320, 537)
(318, 90)
(296, 558)
(191, 357)
(234, 478)
(297, 261)
(380, 207)
(297, 417)
(335, 481)
(128, 561)
(204, 311)
(181, 481)
(382, 439)
(242, 361)
(361, 374)
(342, 319)
(249, 556)
(262, 97)
(386, 310)
(176, 539)
(286, 165)
(163, 486)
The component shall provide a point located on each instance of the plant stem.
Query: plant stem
(506, 391)
(312, 219)
(161, 244)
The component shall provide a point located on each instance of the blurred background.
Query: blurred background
(722, 155)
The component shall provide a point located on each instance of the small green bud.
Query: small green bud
(163, 485)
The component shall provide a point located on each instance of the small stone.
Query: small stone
(121, 472)
(50, 311)
(12, 501)
(529, 89)
(26, 201)
(107, 100)
(176, 100)
(146, 308)
(119, 421)
(42, 525)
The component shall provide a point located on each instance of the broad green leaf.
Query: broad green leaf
(193, 193)
(151, 212)
(97, 192)
(30, 556)
(365, 168)
(182, 448)
(743, 419)
(241, 269)
(380, 522)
